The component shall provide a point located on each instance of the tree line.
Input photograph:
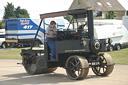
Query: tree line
(12, 12)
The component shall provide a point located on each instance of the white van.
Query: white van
(21, 31)
(2, 38)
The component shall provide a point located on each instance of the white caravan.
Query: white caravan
(125, 21)
(113, 29)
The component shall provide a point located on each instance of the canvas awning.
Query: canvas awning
(63, 13)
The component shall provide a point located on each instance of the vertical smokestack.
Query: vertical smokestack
(90, 23)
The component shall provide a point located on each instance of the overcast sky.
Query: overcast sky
(36, 7)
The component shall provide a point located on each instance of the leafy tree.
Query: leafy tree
(68, 17)
(3, 24)
(21, 13)
(17, 11)
(0, 25)
(9, 11)
(110, 15)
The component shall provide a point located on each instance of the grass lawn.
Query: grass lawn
(119, 57)
(10, 54)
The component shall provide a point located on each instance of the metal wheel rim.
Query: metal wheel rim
(106, 65)
(118, 47)
(74, 68)
(111, 49)
(3, 45)
(102, 68)
(31, 68)
(36, 44)
(77, 67)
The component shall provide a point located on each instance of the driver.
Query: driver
(51, 38)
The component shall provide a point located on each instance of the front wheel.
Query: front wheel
(4, 45)
(105, 66)
(118, 47)
(110, 48)
(77, 67)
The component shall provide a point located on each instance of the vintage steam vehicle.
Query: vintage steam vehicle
(76, 50)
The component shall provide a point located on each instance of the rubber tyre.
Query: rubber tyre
(36, 44)
(4, 45)
(110, 48)
(118, 47)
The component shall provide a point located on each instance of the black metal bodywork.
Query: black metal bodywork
(68, 43)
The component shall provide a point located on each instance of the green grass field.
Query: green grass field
(10, 54)
(119, 57)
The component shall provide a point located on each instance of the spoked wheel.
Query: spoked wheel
(77, 67)
(105, 66)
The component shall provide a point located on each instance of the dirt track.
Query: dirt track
(13, 74)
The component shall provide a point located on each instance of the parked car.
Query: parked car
(3, 44)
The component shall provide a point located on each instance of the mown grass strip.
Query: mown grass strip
(119, 57)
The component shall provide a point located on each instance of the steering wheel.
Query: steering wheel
(61, 35)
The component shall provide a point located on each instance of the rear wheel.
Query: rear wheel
(105, 66)
(4, 45)
(31, 67)
(118, 47)
(77, 67)
(36, 44)
(110, 48)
